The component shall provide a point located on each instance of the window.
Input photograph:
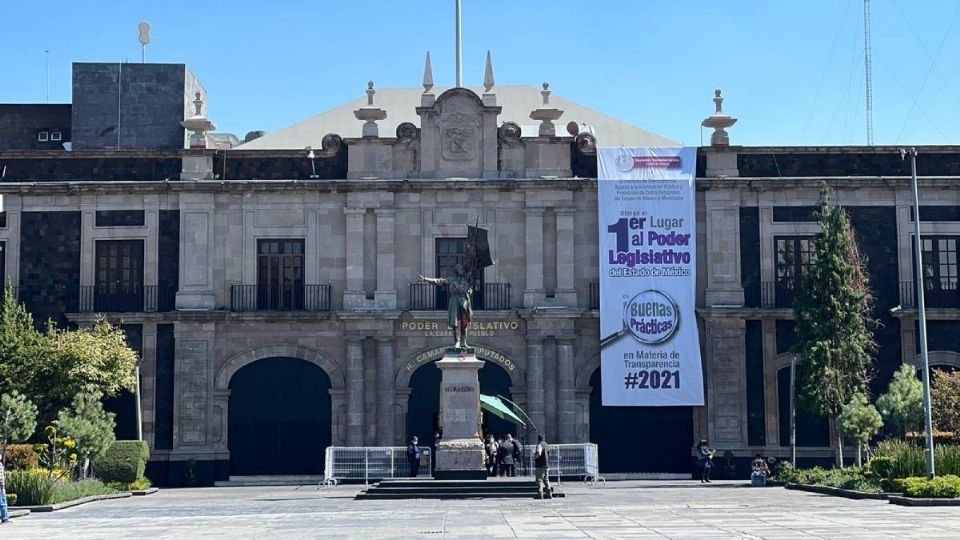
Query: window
(793, 256)
(119, 276)
(43, 136)
(280, 274)
(940, 271)
(56, 136)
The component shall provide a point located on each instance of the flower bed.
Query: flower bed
(850, 478)
(34, 488)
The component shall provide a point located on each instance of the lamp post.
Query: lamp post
(921, 312)
(793, 410)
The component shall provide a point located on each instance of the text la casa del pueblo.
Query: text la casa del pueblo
(636, 232)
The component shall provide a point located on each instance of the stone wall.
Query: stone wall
(20, 124)
(50, 264)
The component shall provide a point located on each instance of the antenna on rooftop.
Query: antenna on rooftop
(868, 69)
(47, 60)
(459, 51)
(144, 28)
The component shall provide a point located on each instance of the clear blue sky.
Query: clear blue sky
(792, 72)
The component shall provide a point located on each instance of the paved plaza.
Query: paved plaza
(632, 509)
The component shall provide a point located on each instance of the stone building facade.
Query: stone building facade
(275, 299)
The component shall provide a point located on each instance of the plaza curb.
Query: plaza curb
(143, 492)
(75, 502)
(837, 492)
(18, 513)
(917, 501)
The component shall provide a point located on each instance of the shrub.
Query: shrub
(947, 459)
(906, 458)
(20, 457)
(68, 491)
(31, 487)
(849, 478)
(880, 466)
(124, 461)
(940, 487)
(136, 485)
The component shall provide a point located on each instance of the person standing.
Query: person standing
(4, 513)
(705, 461)
(508, 456)
(542, 471)
(413, 456)
(491, 452)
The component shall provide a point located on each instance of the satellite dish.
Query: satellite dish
(144, 27)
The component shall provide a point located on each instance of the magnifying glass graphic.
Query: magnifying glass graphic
(651, 317)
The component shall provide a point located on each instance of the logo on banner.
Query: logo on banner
(626, 163)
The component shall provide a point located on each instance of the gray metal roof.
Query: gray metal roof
(400, 103)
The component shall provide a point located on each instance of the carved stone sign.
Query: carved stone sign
(477, 328)
(437, 352)
(459, 129)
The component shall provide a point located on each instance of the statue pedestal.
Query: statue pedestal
(460, 452)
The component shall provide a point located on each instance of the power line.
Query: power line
(826, 68)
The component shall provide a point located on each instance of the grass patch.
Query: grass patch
(33, 488)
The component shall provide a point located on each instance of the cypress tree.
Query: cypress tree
(833, 311)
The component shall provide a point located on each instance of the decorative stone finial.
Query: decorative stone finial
(198, 124)
(370, 114)
(719, 121)
(427, 75)
(546, 114)
(488, 74)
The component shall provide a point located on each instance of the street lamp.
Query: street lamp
(921, 311)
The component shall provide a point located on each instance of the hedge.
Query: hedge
(941, 487)
(124, 461)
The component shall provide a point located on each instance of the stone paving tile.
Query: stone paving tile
(619, 510)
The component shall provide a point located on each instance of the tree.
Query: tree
(18, 420)
(22, 347)
(835, 345)
(859, 420)
(90, 426)
(902, 405)
(945, 393)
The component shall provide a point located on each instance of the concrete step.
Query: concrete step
(446, 496)
(279, 480)
(491, 488)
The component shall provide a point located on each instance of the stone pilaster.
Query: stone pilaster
(535, 404)
(148, 383)
(566, 294)
(770, 399)
(197, 247)
(386, 292)
(354, 296)
(533, 294)
(219, 434)
(723, 254)
(726, 381)
(386, 435)
(355, 402)
(193, 378)
(566, 398)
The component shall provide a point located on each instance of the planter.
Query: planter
(917, 501)
(837, 492)
(75, 502)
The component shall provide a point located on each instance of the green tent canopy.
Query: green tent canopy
(492, 404)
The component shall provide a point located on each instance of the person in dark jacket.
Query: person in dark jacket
(706, 460)
(413, 456)
(542, 472)
(509, 452)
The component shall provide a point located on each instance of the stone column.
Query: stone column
(566, 294)
(726, 381)
(386, 292)
(148, 383)
(533, 293)
(197, 246)
(355, 404)
(354, 295)
(723, 253)
(566, 404)
(535, 405)
(385, 392)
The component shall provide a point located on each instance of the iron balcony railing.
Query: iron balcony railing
(286, 298)
(777, 294)
(938, 293)
(490, 296)
(594, 295)
(119, 298)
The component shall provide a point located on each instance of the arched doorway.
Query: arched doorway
(279, 418)
(812, 430)
(423, 408)
(640, 439)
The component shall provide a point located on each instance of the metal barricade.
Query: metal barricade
(579, 460)
(370, 463)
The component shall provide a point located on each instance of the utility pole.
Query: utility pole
(921, 312)
(868, 69)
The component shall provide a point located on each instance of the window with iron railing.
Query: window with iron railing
(940, 271)
(793, 255)
(118, 272)
(280, 282)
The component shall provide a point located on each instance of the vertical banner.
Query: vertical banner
(649, 345)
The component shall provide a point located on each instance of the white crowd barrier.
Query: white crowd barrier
(374, 463)
(371, 463)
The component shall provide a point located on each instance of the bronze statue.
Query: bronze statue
(461, 285)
